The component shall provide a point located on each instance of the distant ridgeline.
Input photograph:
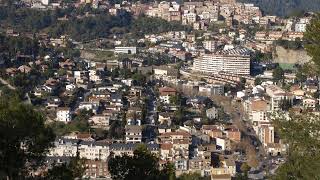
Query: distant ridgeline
(286, 7)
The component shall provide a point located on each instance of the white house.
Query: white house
(63, 114)
(133, 134)
(212, 113)
(223, 143)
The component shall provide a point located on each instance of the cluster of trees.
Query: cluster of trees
(286, 7)
(295, 45)
(149, 25)
(278, 74)
(92, 27)
(11, 47)
(145, 165)
(300, 132)
(262, 57)
(312, 38)
(24, 139)
(99, 24)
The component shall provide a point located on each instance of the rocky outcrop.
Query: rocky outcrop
(288, 56)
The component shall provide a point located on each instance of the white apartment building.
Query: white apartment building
(63, 114)
(235, 64)
(94, 150)
(64, 147)
(277, 95)
(209, 45)
(133, 134)
(125, 50)
(265, 133)
(300, 27)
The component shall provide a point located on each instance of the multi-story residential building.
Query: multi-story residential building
(96, 169)
(212, 130)
(259, 111)
(300, 27)
(211, 89)
(189, 17)
(63, 114)
(133, 133)
(228, 166)
(174, 145)
(64, 147)
(166, 93)
(278, 95)
(94, 150)
(310, 103)
(181, 164)
(209, 45)
(261, 35)
(89, 106)
(223, 143)
(275, 35)
(233, 134)
(100, 121)
(265, 133)
(170, 137)
(214, 63)
(212, 113)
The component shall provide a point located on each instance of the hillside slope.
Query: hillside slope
(285, 7)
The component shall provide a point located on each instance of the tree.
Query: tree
(312, 38)
(300, 77)
(142, 165)
(301, 133)
(257, 81)
(176, 99)
(74, 169)
(24, 139)
(278, 74)
(192, 176)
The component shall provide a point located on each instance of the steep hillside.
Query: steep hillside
(286, 7)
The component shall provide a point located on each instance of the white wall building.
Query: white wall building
(45, 2)
(300, 27)
(235, 64)
(93, 150)
(125, 50)
(63, 114)
(209, 45)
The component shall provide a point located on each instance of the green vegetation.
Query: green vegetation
(148, 25)
(145, 165)
(72, 170)
(294, 45)
(20, 125)
(303, 156)
(82, 27)
(142, 165)
(25, 140)
(286, 7)
(262, 57)
(12, 47)
(257, 81)
(312, 38)
(278, 74)
(79, 124)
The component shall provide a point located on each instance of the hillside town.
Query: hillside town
(202, 97)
